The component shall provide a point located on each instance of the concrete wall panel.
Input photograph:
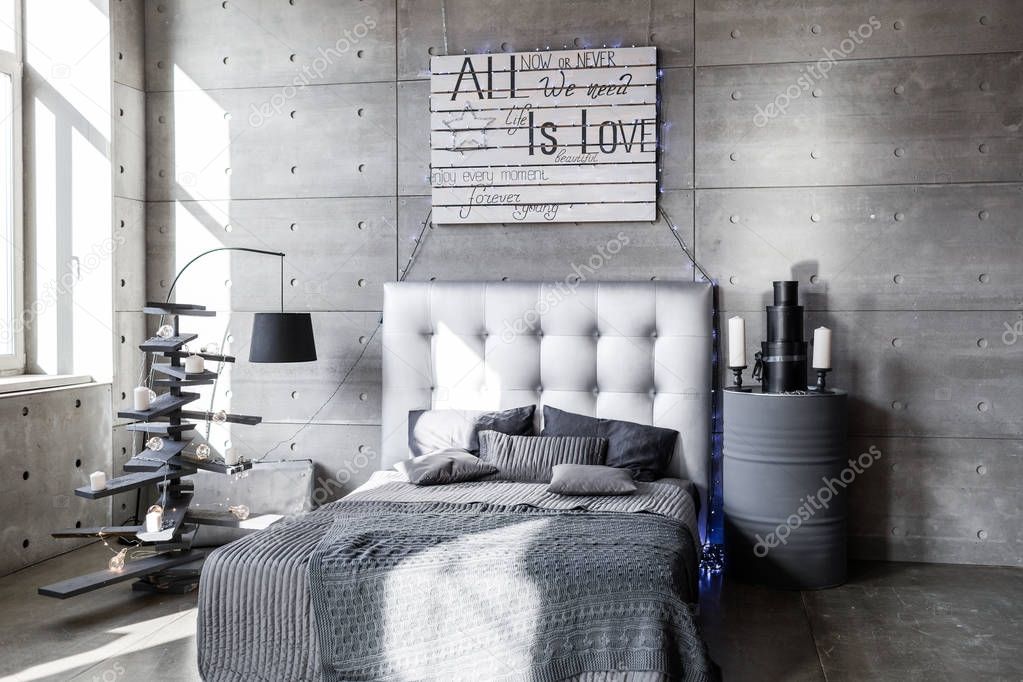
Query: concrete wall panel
(52, 440)
(339, 252)
(753, 32)
(948, 500)
(322, 141)
(253, 43)
(926, 120)
(127, 42)
(129, 241)
(675, 159)
(129, 163)
(593, 251)
(925, 247)
(414, 138)
(440, 27)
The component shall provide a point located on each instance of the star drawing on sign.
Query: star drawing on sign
(468, 130)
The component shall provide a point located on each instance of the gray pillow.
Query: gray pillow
(645, 450)
(446, 466)
(591, 479)
(433, 430)
(532, 458)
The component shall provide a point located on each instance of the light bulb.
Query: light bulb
(220, 416)
(116, 562)
(202, 451)
(240, 511)
(165, 332)
(155, 443)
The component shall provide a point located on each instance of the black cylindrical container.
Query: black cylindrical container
(784, 352)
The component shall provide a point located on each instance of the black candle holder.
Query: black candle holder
(737, 379)
(821, 374)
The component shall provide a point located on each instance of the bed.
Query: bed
(493, 579)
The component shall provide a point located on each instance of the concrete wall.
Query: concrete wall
(890, 187)
(128, 121)
(50, 441)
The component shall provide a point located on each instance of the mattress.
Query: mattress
(256, 620)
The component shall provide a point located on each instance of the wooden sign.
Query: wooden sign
(564, 136)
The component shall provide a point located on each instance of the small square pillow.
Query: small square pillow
(531, 458)
(590, 479)
(433, 430)
(446, 466)
(646, 450)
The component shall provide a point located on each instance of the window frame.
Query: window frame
(11, 64)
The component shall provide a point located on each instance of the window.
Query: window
(12, 347)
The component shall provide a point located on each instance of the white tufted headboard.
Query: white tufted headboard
(639, 351)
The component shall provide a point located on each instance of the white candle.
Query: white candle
(736, 342)
(97, 480)
(154, 522)
(231, 457)
(194, 364)
(822, 348)
(141, 398)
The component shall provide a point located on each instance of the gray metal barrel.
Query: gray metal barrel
(785, 485)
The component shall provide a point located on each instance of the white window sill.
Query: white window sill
(35, 382)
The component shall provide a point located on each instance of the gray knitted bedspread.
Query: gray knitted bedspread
(486, 580)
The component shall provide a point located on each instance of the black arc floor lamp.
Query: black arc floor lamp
(276, 337)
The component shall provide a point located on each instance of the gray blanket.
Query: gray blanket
(437, 591)
(257, 621)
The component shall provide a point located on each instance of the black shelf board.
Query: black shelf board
(166, 309)
(163, 405)
(132, 569)
(133, 481)
(215, 466)
(98, 531)
(172, 344)
(212, 357)
(248, 420)
(142, 461)
(178, 372)
(160, 428)
(225, 519)
(171, 383)
(175, 306)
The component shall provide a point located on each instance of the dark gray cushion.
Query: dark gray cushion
(590, 479)
(434, 430)
(446, 466)
(645, 450)
(532, 458)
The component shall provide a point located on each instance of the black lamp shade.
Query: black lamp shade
(282, 337)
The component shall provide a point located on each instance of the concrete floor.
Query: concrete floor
(890, 622)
